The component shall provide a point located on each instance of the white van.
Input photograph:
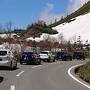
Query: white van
(7, 58)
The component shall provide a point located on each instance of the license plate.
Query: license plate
(25, 58)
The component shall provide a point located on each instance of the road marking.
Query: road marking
(54, 63)
(69, 72)
(36, 66)
(12, 87)
(20, 73)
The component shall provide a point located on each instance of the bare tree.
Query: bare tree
(9, 28)
(61, 38)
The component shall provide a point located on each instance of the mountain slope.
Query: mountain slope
(81, 11)
(72, 30)
(76, 28)
(37, 29)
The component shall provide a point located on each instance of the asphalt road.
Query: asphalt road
(48, 76)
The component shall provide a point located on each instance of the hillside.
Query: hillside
(81, 11)
(74, 26)
(34, 30)
(37, 29)
(79, 27)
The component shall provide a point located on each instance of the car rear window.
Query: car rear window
(3, 53)
(27, 53)
(44, 52)
(59, 53)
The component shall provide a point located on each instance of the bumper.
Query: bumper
(30, 61)
(5, 63)
(44, 58)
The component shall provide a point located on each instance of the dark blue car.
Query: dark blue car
(60, 55)
(64, 56)
(30, 58)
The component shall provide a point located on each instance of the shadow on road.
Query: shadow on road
(7, 68)
(1, 79)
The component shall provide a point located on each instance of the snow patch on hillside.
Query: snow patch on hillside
(7, 35)
(71, 31)
(79, 27)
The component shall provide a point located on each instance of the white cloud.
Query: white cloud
(75, 4)
(48, 16)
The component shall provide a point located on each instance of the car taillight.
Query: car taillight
(33, 56)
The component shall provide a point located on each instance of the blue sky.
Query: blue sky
(24, 12)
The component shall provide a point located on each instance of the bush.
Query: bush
(49, 31)
(84, 72)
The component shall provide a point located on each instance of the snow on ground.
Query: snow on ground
(38, 39)
(71, 31)
(7, 35)
(79, 27)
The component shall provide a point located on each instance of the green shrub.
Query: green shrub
(84, 73)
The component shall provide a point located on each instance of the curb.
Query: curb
(80, 76)
(71, 72)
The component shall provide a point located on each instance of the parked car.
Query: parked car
(47, 56)
(64, 56)
(30, 58)
(79, 55)
(7, 58)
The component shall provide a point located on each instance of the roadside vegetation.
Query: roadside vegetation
(84, 72)
(36, 29)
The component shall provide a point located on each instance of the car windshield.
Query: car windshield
(3, 53)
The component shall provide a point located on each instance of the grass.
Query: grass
(84, 72)
(87, 55)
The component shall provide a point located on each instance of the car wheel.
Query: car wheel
(57, 59)
(11, 66)
(15, 66)
(53, 60)
(39, 62)
(49, 59)
(70, 58)
(21, 63)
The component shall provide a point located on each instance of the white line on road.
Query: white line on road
(20, 73)
(69, 72)
(12, 87)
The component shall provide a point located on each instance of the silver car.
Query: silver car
(7, 58)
